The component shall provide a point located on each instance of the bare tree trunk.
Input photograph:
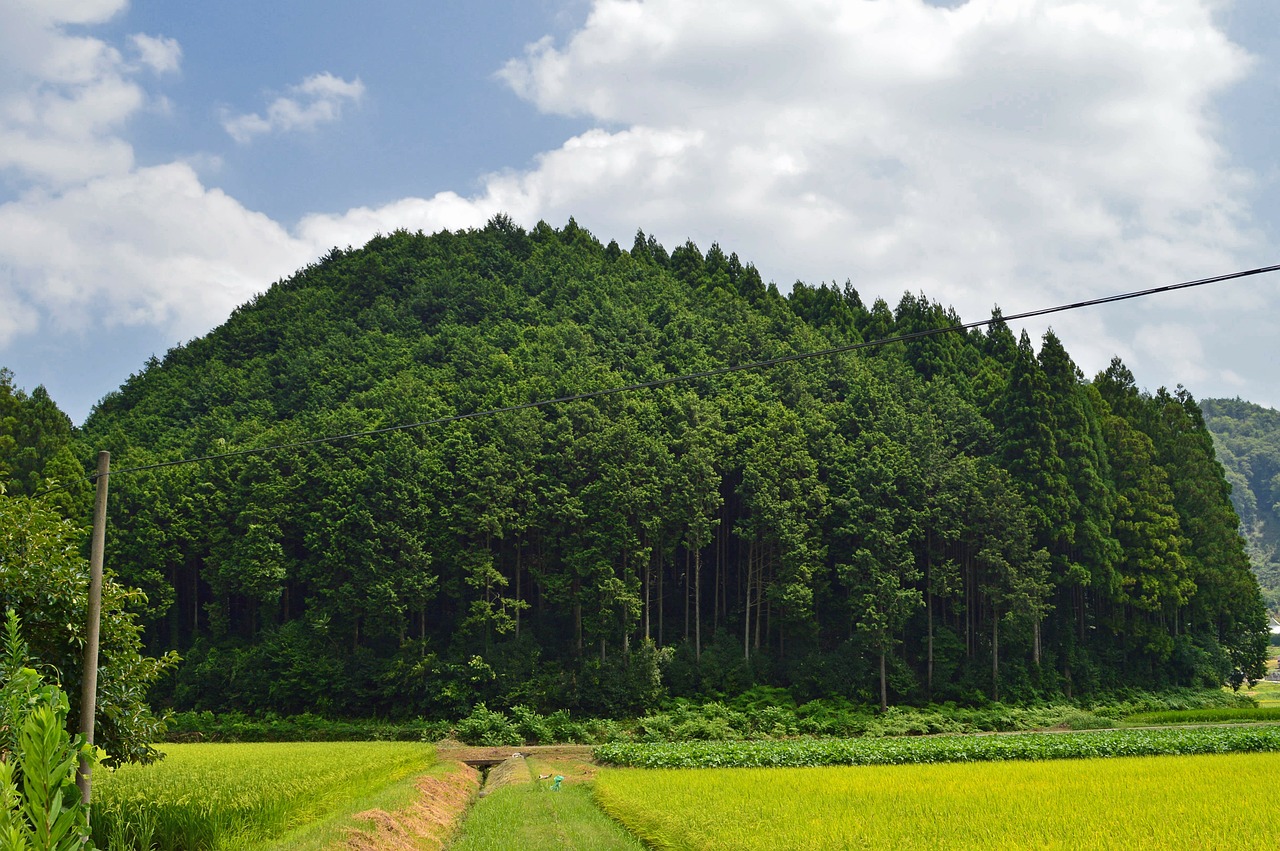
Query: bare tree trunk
(746, 609)
(648, 569)
(929, 664)
(686, 595)
(995, 656)
(697, 605)
(661, 597)
(884, 684)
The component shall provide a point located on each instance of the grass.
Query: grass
(223, 796)
(1207, 716)
(531, 817)
(1266, 693)
(1127, 803)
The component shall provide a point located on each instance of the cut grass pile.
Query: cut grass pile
(1131, 803)
(901, 751)
(531, 817)
(216, 796)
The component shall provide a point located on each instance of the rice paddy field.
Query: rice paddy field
(1162, 802)
(250, 796)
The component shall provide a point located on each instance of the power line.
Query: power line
(693, 376)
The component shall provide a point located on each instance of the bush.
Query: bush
(487, 727)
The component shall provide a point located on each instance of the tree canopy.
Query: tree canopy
(956, 517)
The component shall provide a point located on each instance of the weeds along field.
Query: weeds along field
(1208, 716)
(247, 796)
(1164, 802)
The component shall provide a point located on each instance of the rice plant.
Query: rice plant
(1198, 802)
(216, 796)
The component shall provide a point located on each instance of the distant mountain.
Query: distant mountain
(1247, 440)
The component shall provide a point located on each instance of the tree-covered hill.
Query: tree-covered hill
(1247, 438)
(954, 517)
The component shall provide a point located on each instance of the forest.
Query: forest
(1247, 438)
(961, 516)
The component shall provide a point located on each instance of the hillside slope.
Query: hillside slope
(947, 518)
(1247, 438)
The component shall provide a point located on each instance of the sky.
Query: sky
(161, 163)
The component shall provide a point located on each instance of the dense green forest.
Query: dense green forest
(954, 517)
(1247, 438)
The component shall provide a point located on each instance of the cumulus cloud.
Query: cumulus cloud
(150, 247)
(1012, 152)
(87, 230)
(62, 97)
(316, 100)
(160, 54)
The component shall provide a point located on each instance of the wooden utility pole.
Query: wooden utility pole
(89, 684)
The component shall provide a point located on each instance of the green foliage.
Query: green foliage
(487, 727)
(932, 749)
(958, 517)
(1242, 714)
(237, 727)
(1246, 441)
(46, 581)
(41, 807)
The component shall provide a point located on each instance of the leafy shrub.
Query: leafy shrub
(40, 805)
(487, 727)
(532, 728)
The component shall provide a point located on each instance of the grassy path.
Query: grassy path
(530, 816)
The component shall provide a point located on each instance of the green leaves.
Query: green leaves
(42, 806)
(935, 749)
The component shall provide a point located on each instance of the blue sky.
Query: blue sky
(162, 162)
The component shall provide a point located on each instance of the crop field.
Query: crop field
(1166, 802)
(216, 796)
(1174, 741)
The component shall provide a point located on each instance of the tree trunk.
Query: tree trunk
(995, 656)
(519, 552)
(884, 683)
(928, 679)
(661, 573)
(746, 609)
(697, 605)
(686, 595)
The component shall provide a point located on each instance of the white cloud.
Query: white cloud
(150, 247)
(316, 100)
(62, 97)
(1020, 152)
(160, 54)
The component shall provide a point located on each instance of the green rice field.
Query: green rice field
(1166, 802)
(249, 796)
